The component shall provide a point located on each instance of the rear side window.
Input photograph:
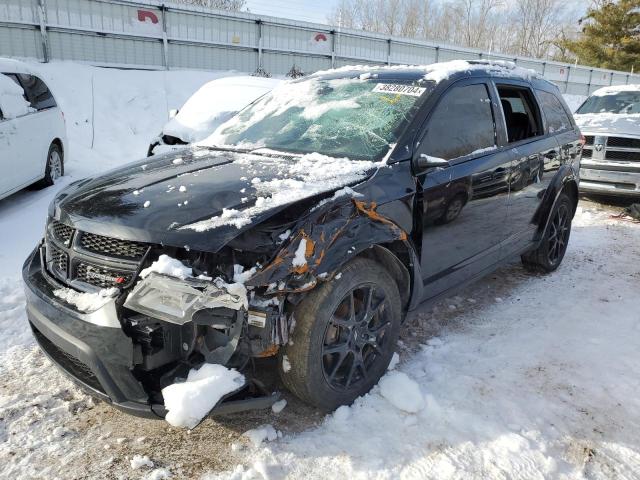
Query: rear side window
(521, 113)
(461, 124)
(37, 92)
(557, 117)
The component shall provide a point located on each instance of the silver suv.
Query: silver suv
(610, 122)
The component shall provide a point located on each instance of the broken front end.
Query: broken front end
(126, 319)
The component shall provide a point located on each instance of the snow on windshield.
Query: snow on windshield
(12, 101)
(348, 117)
(613, 100)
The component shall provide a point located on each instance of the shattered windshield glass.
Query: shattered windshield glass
(351, 117)
(621, 102)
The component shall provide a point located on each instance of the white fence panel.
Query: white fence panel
(150, 34)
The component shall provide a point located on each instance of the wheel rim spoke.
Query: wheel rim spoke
(353, 342)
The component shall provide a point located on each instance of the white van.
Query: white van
(32, 130)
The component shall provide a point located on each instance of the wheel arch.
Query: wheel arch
(398, 258)
(564, 182)
(57, 141)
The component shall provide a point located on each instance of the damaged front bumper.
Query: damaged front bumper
(96, 353)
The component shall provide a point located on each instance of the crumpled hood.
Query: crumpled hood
(200, 198)
(609, 124)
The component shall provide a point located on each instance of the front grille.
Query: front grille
(59, 260)
(112, 246)
(586, 153)
(61, 232)
(589, 139)
(621, 142)
(87, 262)
(68, 362)
(102, 277)
(622, 155)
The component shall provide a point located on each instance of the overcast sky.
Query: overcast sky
(306, 10)
(317, 10)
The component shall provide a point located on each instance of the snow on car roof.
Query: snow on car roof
(438, 72)
(9, 65)
(613, 90)
(214, 103)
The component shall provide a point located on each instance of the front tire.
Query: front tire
(345, 335)
(549, 254)
(54, 168)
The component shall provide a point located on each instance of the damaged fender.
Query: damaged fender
(331, 236)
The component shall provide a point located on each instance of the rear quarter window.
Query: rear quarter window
(557, 117)
(37, 92)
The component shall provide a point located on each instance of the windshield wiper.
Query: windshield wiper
(226, 149)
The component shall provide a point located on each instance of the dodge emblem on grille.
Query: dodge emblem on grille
(599, 147)
(104, 277)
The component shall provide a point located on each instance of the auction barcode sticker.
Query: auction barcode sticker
(399, 89)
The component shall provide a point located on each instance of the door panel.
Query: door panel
(457, 250)
(464, 204)
(531, 173)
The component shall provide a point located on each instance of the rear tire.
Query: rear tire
(549, 254)
(54, 168)
(345, 334)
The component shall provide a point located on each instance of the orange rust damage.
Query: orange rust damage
(371, 213)
(270, 351)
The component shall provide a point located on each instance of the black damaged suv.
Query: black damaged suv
(306, 228)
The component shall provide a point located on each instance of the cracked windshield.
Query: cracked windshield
(341, 117)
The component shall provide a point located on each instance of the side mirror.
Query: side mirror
(173, 112)
(424, 162)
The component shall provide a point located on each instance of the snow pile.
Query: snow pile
(278, 406)
(85, 301)
(113, 115)
(189, 402)
(12, 101)
(299, 258)
(302, 177)
(512, 391)
(167, 265)
(213, 104)
(615, 90)
(258, 435)
(402, 392)
(139, 461)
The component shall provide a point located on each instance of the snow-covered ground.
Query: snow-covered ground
(521, 376)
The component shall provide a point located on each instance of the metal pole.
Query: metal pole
(259, 23)
(437, 54)
(388, 51)
(42, 15)
(333, 48)
(165, 41)
(566, 83)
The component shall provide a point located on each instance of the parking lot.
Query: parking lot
(523, 375)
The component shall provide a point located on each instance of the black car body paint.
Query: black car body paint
(395, 214)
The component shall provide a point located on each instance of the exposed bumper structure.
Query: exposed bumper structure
(94, 351)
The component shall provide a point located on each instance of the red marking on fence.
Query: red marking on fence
(320, 37)
(143, 15)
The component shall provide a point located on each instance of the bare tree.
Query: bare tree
(519, 27)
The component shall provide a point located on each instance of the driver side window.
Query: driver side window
(461, 124)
